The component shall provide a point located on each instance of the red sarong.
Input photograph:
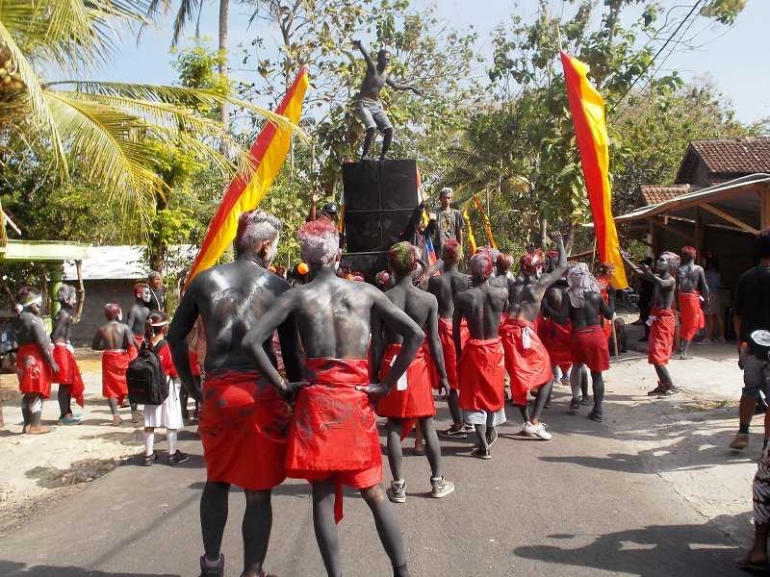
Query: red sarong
(557, 340)
(482, 366)
(33, 371)
(114, 366)
(691, 315)
(244, 430)
(590, 348)
(333, 433)
(661, 339)
(417, 400)
(450, 353)
(69, 373)
(527, 363)
(195, 366)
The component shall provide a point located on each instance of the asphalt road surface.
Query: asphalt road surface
(568, 507)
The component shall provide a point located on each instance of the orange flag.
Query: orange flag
(587, 107)
(245, 193)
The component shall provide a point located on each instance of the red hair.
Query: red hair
(318, 241)
(530, 262)
(689, 251)
(481, 264)
(451, 251)
(504, 262)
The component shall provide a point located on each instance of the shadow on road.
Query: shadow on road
(648, 552)
(10, 569)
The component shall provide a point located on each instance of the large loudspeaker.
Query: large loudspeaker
(379, 200)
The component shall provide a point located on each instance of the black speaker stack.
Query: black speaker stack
(380, 197)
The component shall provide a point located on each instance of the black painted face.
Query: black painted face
(661, 265)
(383, 59)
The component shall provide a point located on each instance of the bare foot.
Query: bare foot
(39, 430)
(116, 421)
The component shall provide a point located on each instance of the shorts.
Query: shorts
(370, 112)
(756, 376)
(480, 417)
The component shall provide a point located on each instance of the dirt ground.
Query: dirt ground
(683, 439)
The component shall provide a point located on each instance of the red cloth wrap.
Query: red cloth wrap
(528, 368)
(244, 430)
(417, 400)
(114, 366)
(195, 366)
(691, 315)
(590, 348)
(69, 373)
(661, 339)
(33, 371)
(450, 353)
(333, 433)
(557, 340)
(482, 366)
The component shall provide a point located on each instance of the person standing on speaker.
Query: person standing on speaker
(369, 107)
(449, 221)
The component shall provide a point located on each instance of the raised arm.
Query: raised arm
(184, 320)
(397, 321)
(402, 87)
(369, 62)
(644, 273)
(549, 278)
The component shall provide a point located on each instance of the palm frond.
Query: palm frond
(105, 145)
(69, 32)
(37, 108)
(189, 97)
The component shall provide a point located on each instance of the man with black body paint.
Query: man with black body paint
(333, 316)
(243, 423)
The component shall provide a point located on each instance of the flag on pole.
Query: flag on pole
(485, 220)
(471, 237)
(587, 107)
(246, 192)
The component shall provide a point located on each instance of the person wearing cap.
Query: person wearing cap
(169, 413)
(449, 221)
(35, 364)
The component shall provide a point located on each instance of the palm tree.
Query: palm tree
(189, 9)
(100, 129)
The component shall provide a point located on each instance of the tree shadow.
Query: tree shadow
(11, 569)
(652, 551)
(83, 471)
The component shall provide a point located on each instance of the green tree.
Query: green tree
(96, 129)
(521, 152)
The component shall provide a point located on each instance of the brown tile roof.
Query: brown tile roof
(656, 193)
(729, 157)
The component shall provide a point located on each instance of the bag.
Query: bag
(146, 380)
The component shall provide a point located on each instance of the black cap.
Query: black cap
(330, 207)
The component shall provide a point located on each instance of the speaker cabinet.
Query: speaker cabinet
(379, 199)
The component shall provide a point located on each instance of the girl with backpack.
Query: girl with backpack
(169, 413)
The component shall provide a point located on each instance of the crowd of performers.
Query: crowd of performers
(351, 352)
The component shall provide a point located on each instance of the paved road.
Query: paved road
(564, 508)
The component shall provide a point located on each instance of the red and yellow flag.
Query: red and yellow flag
(485, 221)
(587, 107)
(245, 193)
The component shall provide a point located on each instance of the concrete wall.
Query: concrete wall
(98, 294)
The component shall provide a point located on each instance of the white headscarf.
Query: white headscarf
(580, 281)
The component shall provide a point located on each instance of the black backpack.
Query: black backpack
(146, 380)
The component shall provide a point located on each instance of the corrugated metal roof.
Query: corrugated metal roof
(119, 262)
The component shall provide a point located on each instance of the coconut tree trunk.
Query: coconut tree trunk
(224, 10)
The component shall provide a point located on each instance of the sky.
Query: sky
(733, 59)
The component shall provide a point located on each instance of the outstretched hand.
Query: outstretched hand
(556, 236)
(356, 43)
(374, 390)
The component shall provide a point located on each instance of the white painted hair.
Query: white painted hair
(254, 228)
(319, 242)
